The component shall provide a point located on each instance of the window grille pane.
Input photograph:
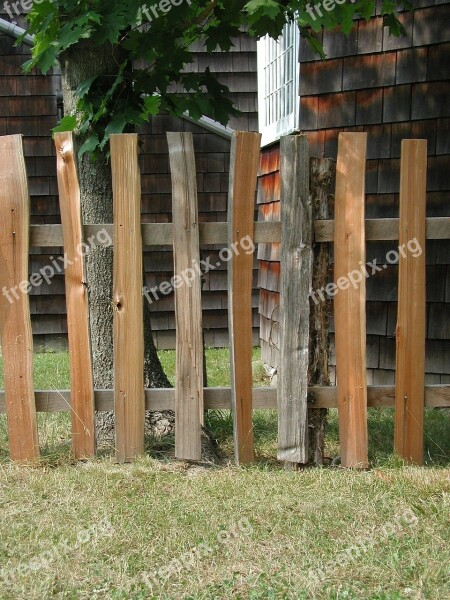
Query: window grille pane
(278, 84)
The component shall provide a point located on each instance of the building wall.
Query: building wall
(28, 106)
(392, 88)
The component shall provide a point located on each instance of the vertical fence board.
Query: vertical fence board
(17, 340)
(128, 303)
(410, 375)
(296, 279)
(189, 405)
(81, 377)
(244, 164)
(349, 301)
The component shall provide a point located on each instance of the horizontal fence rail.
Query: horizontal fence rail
(161, 234)
(264, 398)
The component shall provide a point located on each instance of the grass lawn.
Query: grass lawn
(164, 529)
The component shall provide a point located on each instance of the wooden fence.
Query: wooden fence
(296, 232)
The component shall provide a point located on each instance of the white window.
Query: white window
(278, 84)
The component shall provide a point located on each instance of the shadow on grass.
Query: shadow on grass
(380, 424)
(54, 432)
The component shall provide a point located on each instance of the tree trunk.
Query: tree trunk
(78, 64)
(319, 325)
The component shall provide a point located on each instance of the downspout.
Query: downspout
(15, 31)
(210, 125)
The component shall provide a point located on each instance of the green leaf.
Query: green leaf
(45, 60)
(117, 125)
(151, 106)
(85, 86)
(150, 55)
(315, 44)
(348, 12)
(89, 145)
(395, 27)
(268, 8)
(67, 123)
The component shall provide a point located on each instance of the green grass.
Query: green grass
(217, 366)
(161, 509)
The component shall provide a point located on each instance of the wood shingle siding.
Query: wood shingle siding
(393, 89)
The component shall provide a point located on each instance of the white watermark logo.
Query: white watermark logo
(161, 8)
(198, 269)
(397, 527)
(14, 9)
(63, 548)
(188, 559)
(326, 5)
(365, 271)
(150, 12)
(57, 266)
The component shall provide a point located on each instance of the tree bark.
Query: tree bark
(322, 176)
(78, 64)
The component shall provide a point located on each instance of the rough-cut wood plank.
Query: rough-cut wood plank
(350, 303)
(128, 303)
(244, 164)
(44, 236)
(81, 378)
(437, 228)
(189, 406)
(156, 234)
(160, 234)
(296, 280)
(410, 332)
(15, 322)
(264, 398)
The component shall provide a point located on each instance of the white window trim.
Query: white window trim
(272, 132)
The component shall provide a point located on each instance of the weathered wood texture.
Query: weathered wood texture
(437, 228)
(349, 303)
(241, 209)
(189, 406)
(264, 398)
(161, 234)
(81, 377)
(411, 326)
(15, 321)
(128, 302)
(322, 200)
(296, 281)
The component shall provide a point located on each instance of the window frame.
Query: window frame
(272, 131)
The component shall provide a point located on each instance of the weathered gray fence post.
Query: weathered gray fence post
(296, 278)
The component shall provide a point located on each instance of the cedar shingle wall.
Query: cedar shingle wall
(237, 69)
(28, 106)
(393, 88)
